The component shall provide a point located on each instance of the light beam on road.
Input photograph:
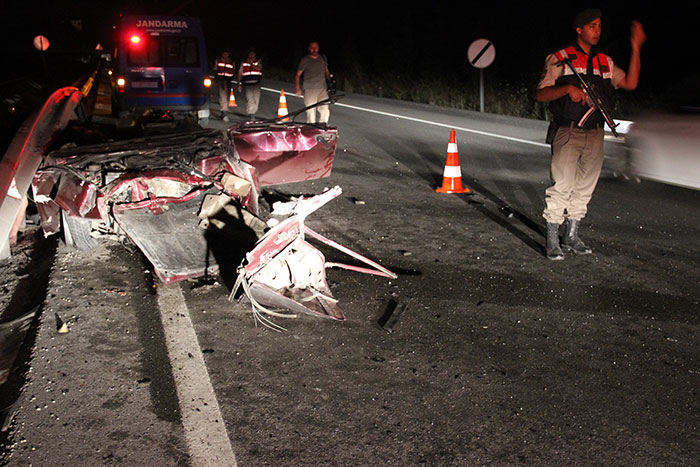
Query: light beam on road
(429, 122)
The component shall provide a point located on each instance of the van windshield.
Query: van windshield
(165, 51)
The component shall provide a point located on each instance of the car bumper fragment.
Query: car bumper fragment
(284, 271)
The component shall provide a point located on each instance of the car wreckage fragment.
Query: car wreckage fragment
(284, 271)
(151, 190)
(189, 202)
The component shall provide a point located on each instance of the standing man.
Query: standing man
(225, 68)
(249, 76)
(314, 67)
(577, 143)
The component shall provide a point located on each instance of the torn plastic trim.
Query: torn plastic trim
(284, 271)
(258, 310)
(377, 269)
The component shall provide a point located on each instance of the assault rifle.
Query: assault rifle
(595, 99)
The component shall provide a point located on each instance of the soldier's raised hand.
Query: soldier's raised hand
(637, 37)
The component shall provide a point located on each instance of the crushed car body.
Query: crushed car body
(139, 189)
(167, 193)
(189, 202)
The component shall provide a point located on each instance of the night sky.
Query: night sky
(381, 37)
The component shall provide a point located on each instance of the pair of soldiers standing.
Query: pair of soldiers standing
(249, 77)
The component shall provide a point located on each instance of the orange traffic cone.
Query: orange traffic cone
(282, 110)
(231, 99)
(452, 176)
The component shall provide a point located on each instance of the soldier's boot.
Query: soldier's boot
(553, 249)
(571, 241)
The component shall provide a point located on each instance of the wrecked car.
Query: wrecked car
(162, 192)
(189, 202)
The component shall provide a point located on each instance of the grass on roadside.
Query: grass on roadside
(501, 97)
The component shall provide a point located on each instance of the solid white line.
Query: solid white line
(444, 125)
(205, 431)
(428, 122)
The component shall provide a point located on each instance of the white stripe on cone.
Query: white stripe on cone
(452, 171)
(282, 110)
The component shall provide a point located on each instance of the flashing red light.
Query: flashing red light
(135, 39)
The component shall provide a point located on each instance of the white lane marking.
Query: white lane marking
(286, 93)
(428, 122)
(205, 431)
(444, 125)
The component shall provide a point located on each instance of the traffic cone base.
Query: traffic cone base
(452, 175)
(282, 109)
(455, 188)
(231, 99)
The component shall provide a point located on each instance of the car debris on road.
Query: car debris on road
(285, 271)
(181, 198)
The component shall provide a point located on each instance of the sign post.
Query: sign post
(481, 53)
(41, 43)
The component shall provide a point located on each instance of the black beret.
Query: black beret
(586, 16)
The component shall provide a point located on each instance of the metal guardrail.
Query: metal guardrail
(28, 147)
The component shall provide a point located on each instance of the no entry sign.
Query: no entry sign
(481, 53)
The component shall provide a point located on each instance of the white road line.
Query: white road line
(205, 431)
(444, 125)
(428, 122)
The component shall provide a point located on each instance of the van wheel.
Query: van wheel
(76, 232)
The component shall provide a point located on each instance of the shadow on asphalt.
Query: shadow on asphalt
(30, 294)
(422, 160)
(504, 215)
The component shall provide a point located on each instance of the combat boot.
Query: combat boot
(553, 250)
(571, 242)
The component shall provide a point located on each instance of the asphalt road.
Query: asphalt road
(500, 357)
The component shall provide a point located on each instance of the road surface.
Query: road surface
(500, 356)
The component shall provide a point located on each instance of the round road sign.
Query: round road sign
(481, 53)
(41, 43)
